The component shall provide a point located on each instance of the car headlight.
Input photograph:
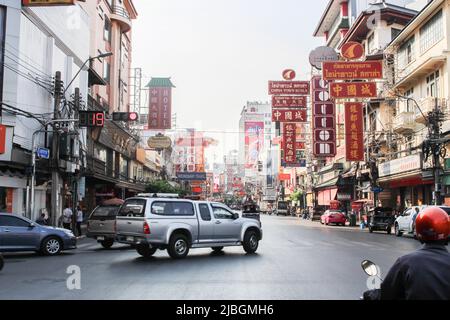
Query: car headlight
(69, 233)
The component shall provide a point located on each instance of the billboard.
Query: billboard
(254, 142)
(341, 70)
(354, 131)
(160, 108)
(324, 119)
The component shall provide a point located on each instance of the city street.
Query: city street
(295, 260)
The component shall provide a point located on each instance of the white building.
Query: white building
(37, 43)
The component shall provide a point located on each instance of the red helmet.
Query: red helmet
(433, 224)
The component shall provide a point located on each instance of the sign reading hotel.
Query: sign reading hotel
(347, 90)
(42, 3)
(288, 87)
(324, 119)
(354, 131)
(160, 104)
(289, 145)
(288, 115)
(345, 70)
(289, 102)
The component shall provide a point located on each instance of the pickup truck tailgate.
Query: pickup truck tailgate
(130, 226)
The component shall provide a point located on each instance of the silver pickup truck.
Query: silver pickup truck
(177, 225)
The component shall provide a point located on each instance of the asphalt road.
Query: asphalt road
(295, 260)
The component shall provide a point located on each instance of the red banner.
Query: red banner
(354, 131)
(289, 135)
(2, 139)
(324, 119)
(346, 90)
(288, 115)
(284, 177)
(300, 145)
(342, 70)
(288, 87)
(160, 108)
(288, 102)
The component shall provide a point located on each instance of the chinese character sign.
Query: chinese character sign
(289, 143)
(289, 115)
(345, 90)
(340, 70)
(254, 142)
(160, 108)
(289, 101)
(354, 132)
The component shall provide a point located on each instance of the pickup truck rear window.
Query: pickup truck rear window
(133, 208)
(105, 211)
(163, 208)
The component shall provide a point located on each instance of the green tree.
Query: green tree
(163, 186)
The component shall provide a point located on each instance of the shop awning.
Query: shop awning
(330, 183)
(326, 196)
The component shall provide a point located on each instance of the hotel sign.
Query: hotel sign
(43, 3)
(401, 165)
(352, 70)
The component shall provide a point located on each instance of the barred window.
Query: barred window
(407, 53)
(432, 32)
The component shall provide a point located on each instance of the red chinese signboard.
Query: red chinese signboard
(346, 90)
(284, 177)
(352, 50)
(288, 87)
(324, 119)
(354, 131)
(2, 139)
(289, 115)
(352, 70)
(160, 109)
(289, 101)
(290, 155)
(300, 145)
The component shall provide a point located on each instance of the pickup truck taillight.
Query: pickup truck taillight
(146, 228)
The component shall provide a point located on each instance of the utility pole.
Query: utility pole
(435, 123)
(56, 178)
(74, 184)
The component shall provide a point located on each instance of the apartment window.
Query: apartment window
(395, 33)
(433, 85)
(371, 43)
(110, 3)
(410, 106)
(407, 52)
(107, 30)
(106, 71)
(432, 32)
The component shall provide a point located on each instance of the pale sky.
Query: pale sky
(222, 53)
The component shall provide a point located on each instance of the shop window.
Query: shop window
(107, 30)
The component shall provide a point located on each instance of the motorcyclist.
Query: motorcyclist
(423, 274)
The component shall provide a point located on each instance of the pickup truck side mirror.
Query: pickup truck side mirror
(235, 216)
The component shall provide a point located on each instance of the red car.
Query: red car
(335, 217)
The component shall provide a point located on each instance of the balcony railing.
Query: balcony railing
(404, 122)
(120, 15)
(427, 105)
(120, 11)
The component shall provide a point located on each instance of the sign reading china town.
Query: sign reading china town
(344, 70)
(289, 102)
(354, 131)
(288, 87)
(289, 115)
(347, 90)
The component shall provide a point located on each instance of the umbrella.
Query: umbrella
(113, 202)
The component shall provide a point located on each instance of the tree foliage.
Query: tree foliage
(163, 186)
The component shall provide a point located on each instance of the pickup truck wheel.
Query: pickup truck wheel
(217, 249)
(146, 251)
(398, 233)
(251, 241)
(107, 243)
(178, 246)
(389, 230)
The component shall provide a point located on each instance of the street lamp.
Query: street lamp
(103, 55)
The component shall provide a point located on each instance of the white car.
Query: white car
(405, 223)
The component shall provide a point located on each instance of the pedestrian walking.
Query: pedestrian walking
(42, 220)
(79, 220)
(67, 218)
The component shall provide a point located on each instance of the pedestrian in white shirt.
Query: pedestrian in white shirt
(79, 220)
(67, 218)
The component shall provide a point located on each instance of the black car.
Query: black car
(381, 219)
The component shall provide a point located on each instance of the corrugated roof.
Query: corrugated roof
(160, 82)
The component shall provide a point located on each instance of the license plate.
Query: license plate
(130, 239)
(100, 238)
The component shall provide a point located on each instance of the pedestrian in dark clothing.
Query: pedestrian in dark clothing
(79, 220)
(42, 220)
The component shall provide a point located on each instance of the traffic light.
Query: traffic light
(125, 116)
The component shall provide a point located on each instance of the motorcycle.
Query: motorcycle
(2, 263)
(373, 271)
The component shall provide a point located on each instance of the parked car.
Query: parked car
(101, 224)
(282, 208)
(315, 213)
(150, 224)
(405, 223)
(381, 219)
(333, 216)
(18, 234)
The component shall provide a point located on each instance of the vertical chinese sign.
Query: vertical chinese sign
(254, 142)
(160, 104)
(354, 132)
(289, 145)
(324, 119)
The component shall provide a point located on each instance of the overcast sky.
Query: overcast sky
(221, 54)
